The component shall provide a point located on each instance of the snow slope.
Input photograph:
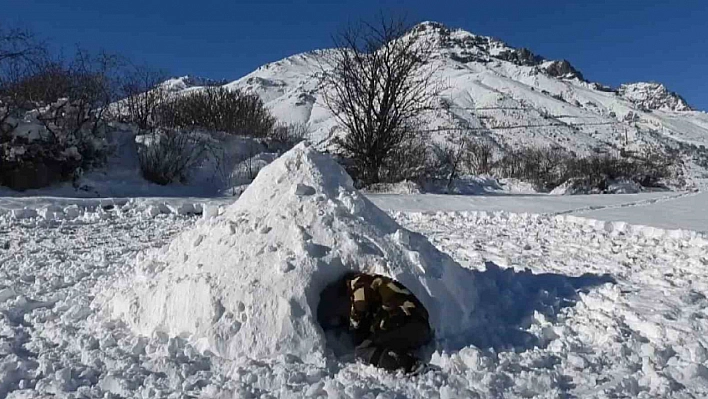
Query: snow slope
(510, 96)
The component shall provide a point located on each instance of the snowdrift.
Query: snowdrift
(247, 283)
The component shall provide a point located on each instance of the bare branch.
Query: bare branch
(378, 83)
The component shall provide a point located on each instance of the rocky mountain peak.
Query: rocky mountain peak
(521, 56)
(187, 81)
(653, 96)
(462, 46)
(561, 69)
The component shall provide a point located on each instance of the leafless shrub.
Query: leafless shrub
(450, 159)
(170, 155)
(143, 95)
(46, 82)
(79, 117)
(544, 167)
(462, 154)
(410, 161)
(549, 168)
(34, 164)
(218, 109)
(69, 98)
(478, 156)
(285, 136)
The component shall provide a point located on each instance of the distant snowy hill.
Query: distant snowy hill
(186, 82)
(510, 96)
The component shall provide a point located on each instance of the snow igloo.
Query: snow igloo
(248, 282)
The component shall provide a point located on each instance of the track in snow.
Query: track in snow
(640, 202)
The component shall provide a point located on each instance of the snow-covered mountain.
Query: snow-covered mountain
(185, 82)
(508, 95)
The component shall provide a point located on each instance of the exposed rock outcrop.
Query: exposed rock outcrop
(653, 96)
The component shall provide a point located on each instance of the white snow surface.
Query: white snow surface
(247, 283)
(652, 211)
(556, 326)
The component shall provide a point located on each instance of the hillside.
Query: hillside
(511, 96)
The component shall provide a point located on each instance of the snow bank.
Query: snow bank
(623, 186)
(247, 282)
(402, 187)
(47, 209)
(466, 185)
(581, 186)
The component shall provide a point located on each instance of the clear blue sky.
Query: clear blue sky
(610, 41)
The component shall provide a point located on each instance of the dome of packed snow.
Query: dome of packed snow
(247, 282)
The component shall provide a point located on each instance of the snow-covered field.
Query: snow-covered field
(664, 210)
(563, 306)
(689, 211)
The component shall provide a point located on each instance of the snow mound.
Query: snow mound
(247, 282)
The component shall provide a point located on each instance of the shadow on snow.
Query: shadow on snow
(508, 300)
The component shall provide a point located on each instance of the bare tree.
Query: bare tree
(450, 158)
(377, 84)
(21, 57)
(17, 44)
(81, 109)
(143, 96)
(479, 156)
